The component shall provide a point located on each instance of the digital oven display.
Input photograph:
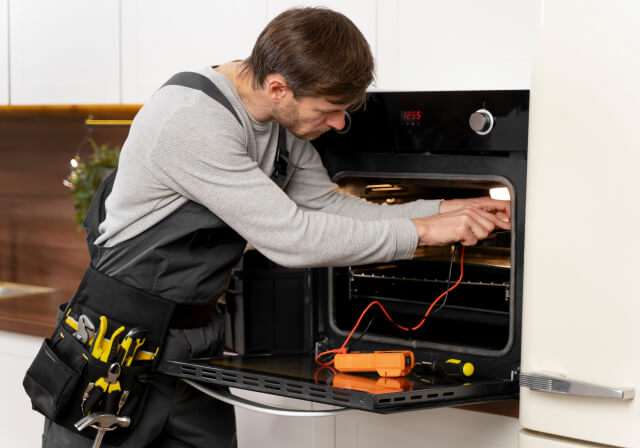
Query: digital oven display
(410, 117)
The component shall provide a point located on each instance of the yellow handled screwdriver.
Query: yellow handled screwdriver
(450, 367)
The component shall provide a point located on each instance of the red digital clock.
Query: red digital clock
(410, 116)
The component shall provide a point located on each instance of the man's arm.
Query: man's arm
(215, 170)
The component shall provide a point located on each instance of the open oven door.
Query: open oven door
(298, 376)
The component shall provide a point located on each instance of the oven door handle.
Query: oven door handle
(556, 384)
(263, 408)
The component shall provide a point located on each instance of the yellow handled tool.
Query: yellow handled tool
(134, 339)
(96, 351)
(450, 367)
(110, 346)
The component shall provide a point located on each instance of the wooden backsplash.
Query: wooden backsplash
(40, 242)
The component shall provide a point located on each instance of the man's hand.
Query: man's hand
(463, 220)
(502, 209)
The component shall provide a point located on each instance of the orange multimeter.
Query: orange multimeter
(386, 363)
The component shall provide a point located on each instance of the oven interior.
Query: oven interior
(475, 317)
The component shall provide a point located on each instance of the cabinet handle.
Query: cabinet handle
(554, 384)
(259, 407)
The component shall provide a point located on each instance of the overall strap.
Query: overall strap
(200, 82)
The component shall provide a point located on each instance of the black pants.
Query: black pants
(176, 415)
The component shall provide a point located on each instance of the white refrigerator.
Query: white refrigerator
(581, 310)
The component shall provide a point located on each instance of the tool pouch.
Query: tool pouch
(63, 368)
(53, 377)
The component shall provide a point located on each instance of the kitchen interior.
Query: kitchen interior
(559, 327)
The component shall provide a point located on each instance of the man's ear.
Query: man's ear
(277, 87)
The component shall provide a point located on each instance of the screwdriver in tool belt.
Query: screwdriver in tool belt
(450, 367)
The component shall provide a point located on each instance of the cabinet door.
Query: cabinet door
(64, 52)
(257, 429)
(441, 428)
(4, 52)
(461, 45)
(530, 439)
(163, 37)
(580, 301)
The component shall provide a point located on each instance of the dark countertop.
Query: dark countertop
(30, 314)
(36, 315)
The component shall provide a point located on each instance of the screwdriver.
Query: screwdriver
(450, 367)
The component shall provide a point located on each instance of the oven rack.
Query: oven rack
(426, 280)
(449, 306)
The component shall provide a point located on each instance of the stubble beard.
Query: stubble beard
(289, 117)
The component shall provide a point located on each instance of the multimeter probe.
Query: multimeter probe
(391, 363)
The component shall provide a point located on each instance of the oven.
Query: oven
(403, 146)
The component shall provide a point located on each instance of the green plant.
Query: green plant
(85, 176)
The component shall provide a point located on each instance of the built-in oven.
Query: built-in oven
(403, 146)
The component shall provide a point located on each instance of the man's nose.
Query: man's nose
(336, 120)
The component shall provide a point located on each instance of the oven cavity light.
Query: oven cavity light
(501, 193)
(383, 187)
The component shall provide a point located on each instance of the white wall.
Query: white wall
(4, 52)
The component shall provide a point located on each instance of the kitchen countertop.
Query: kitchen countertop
(33, 314)
(36, 315)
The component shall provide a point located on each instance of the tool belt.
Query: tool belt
(79, 372)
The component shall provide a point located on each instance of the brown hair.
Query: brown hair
(319, 52)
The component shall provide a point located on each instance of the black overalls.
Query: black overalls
(183, 261)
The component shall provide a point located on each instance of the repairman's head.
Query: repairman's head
(321, 64)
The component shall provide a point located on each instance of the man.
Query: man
(204, 171)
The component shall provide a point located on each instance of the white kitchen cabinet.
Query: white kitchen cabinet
(64, 52)
(271, 431)
(461, 45)
(4, 52)
(444, 428)
(161, 38)
(20, 427)
(362, 13)
(530, 439)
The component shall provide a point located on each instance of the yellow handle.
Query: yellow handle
(96, 352)
(71, 322)
(106, 387)
(106, 349)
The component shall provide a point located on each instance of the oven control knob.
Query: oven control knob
(481, 121)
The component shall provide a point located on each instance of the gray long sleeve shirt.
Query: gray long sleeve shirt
(185, 146)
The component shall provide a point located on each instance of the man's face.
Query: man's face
(309, 117)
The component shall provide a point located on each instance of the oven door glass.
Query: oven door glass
(298, 376)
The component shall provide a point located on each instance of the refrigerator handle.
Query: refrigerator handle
(556, 384)
(263, 408)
